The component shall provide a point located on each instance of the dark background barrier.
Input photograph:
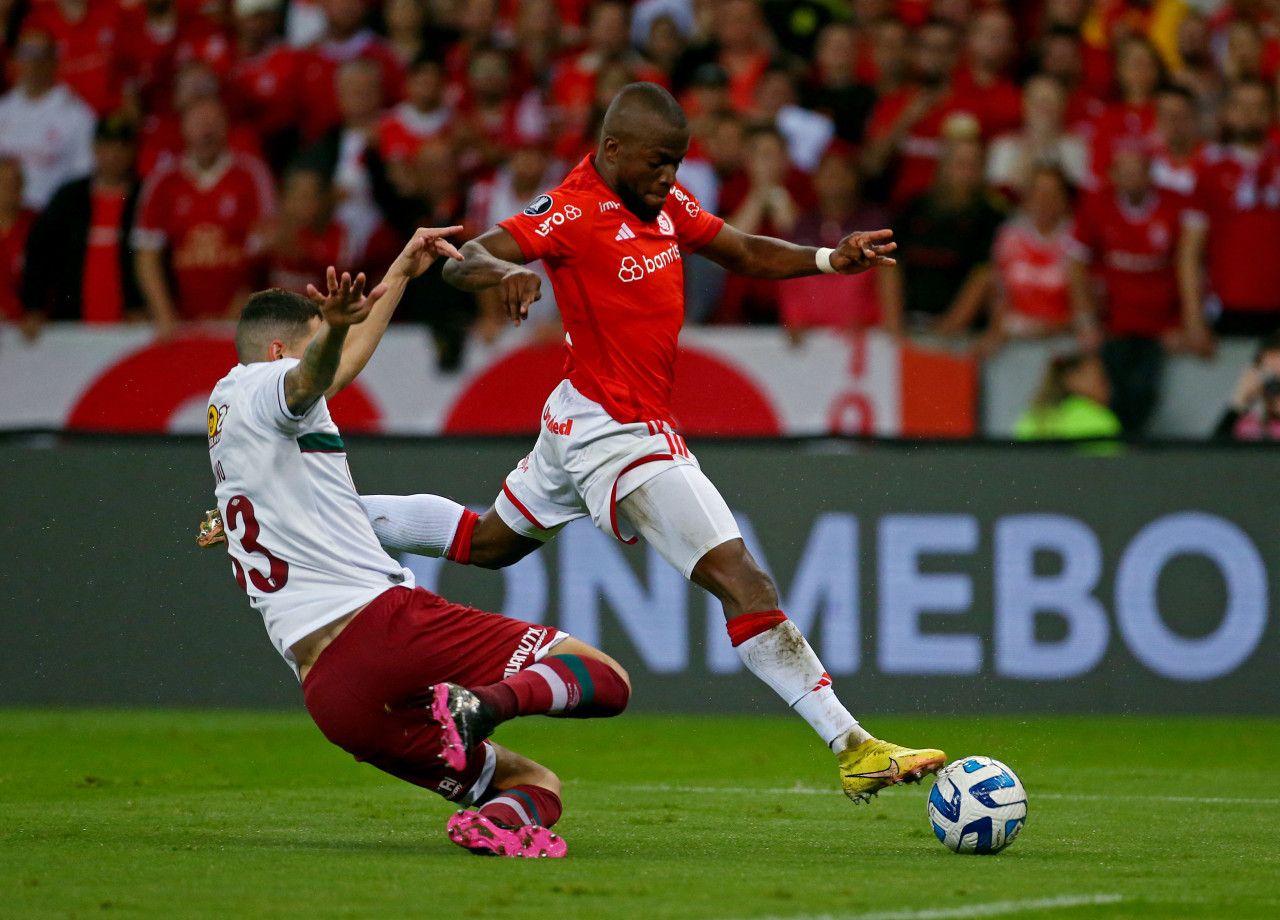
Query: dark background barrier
(929, 577)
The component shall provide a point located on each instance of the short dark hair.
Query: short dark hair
(270, 315)
(1176, 89)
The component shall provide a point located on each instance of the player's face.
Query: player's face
(646, 164)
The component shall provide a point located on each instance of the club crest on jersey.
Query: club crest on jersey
(539, 206)
(217, 415)
(665, 225)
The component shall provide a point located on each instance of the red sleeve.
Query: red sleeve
(695, 227)
(1196, 208)
(151, 228)
(1085, 232)
(541, 228)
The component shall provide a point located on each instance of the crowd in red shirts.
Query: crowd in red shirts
(1108, 169)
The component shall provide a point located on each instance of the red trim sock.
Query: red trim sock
(573, 686)
(460, 548)
(520, 806)
(749, 625)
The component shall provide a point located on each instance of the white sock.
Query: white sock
(782, 658)
(420, 524)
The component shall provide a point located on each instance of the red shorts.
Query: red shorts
(367, 691)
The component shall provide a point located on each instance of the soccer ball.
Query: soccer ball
(977, 805)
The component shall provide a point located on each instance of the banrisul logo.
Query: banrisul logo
(539, 206)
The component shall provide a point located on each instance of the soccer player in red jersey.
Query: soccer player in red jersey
(612, 238)
(1233, 222)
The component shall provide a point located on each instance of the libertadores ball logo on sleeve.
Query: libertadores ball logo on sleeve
(539, 206)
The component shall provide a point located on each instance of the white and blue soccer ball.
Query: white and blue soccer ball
(977, 805)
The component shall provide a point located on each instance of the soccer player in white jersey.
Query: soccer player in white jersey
(383, 664)
(612, 237)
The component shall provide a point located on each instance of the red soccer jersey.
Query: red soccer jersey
(206, 222)
(405, 129)
(1033, 270)
(90, 60)
(305, 260)
(1133, 250)
(1238, 196)
(1116, 126)
(102, 290)
(619, 284)
(263, 90)
(318, 67)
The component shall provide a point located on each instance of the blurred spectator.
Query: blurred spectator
(43, 123)
(1128, 236)
(538, 39)
(1030, 255)
(494, 111)
(79, 259)
(303, 240)
(664, 46)
(1243, 49)
(832, 88)
(841, 301)
(1060, 57)
(766, 198)
(572, 146)
(740, 43)
(797, 23)
(90, 38)
(347, 38)
(340, 154)
(1139, 71)
(161, 135)
(1067, 18)
(15, 225)
(1232, 224)
(1198, 71)
(158, 38)
(573, 87)
(1112, 21)
(943, 276)
(529, 172)
(1043, 141)
(1254, 411)
(263, 82)
(888, 67)
(434, 201)
(1173, 166)
(905, 131)
(202, 210)
(423, 116)
(807, 133)
(646, 12)
(406, 22)
(1071, 403)
(982, 84)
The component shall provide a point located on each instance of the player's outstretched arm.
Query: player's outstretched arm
(494, 259)
(426, 245)
(766, 257)
(345, 306)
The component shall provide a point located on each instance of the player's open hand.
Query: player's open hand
(862, 250)
(346, 304)
(520, 287)
(427, 245)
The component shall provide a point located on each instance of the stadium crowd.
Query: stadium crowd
(1108, 169)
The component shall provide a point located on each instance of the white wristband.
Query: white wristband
(823, 258)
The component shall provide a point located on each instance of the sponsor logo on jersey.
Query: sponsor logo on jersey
(554, 426)
(216, 416)
(528, 645)
(569, 212)
(609, 206)
(691, 207)
(626, 233)
(665, 225)
(632, 269)
(539, 206)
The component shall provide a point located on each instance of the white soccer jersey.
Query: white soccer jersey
(301, 546)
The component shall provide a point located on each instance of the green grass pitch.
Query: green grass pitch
(239, 815)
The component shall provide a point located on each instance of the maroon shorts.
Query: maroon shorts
(367, 691)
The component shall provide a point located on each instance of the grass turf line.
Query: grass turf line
(195, 814)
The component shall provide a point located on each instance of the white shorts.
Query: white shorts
(586, 463)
